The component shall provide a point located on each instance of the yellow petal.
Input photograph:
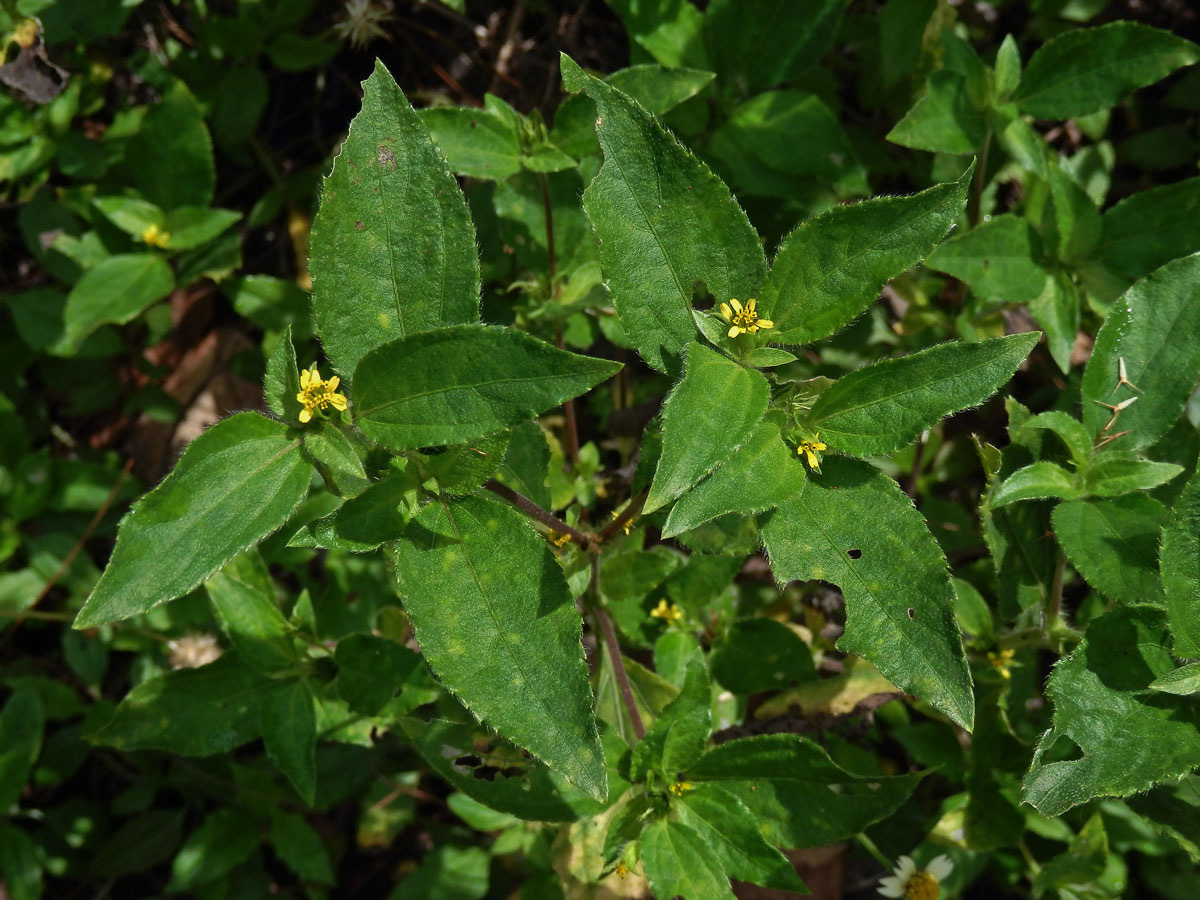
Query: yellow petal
(333, 382)
(765, 323)
(734, 331)
(305, 415)
(305, 378)
(726, 312)
(337, 401)
(750, 304)
(736, 305)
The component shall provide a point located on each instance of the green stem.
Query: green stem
(869, 846)
(527, 506)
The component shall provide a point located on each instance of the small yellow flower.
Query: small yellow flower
(558, 540)
(318, 395)
(156, 237)
(808, 450)
(627, 525)
(1002, 661)
(679, 787)
(621, 870)
(912, 883)
(743, 319)
(668, 612)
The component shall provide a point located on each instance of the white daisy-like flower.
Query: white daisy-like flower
(911, 883)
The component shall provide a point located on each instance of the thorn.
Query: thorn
(1110, 438)
(1122, 377)
(1116, 410)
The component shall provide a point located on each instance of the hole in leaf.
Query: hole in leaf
(854, 554)
(469, 761)
(912, 613)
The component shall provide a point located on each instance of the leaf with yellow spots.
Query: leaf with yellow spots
(855, 528)
(495, 620)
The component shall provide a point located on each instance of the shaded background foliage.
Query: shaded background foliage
(84, 432)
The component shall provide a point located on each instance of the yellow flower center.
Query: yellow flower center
(680, 786)
(922, 886)
(743, 319)
(156, 237)
(1002, 661)
(808, 451)
(668, 612)
(317, 395)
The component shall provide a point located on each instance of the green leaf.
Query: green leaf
(756, 44)
(448, 873)
(496, 623)
(1070, 220)
(832, 267)
(734, 834)
(800, 796)
(944, 119)
(457, 384)
(1086, 70)
(664, 223)
(1056, 309)
(1174, 809)
(192, 712)
(757, 145)
(680, 863)
(761, 473)
(1008, 67)
(170, 157)
(116, 290)
(1036, 481)
(1122, 473)
(766, 357)
(393, 247)
(131, 214)
(1150, 228)
(20, 863)
(1182, 681)
(251, 620)
(370, 669)
(855, 528)
(335, 458)
(139, 844)
(234, 485)
(657, 88)
(373, 518)
(225, 838)
(281, 383)
(526, 463)
(462, 469)
(885, 406)
(1153, 328)
(677, 737)
(762, 655)
(1114, 544)
(995, 259)
(289, 732)
(477, 142)
(1131, 737)
(710, 412)
(191, 226)
(532, 792)
(303, 850)
(1069, 429)
(669, 30)
(1180, 562)
(21, 723)
(1082, 862)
